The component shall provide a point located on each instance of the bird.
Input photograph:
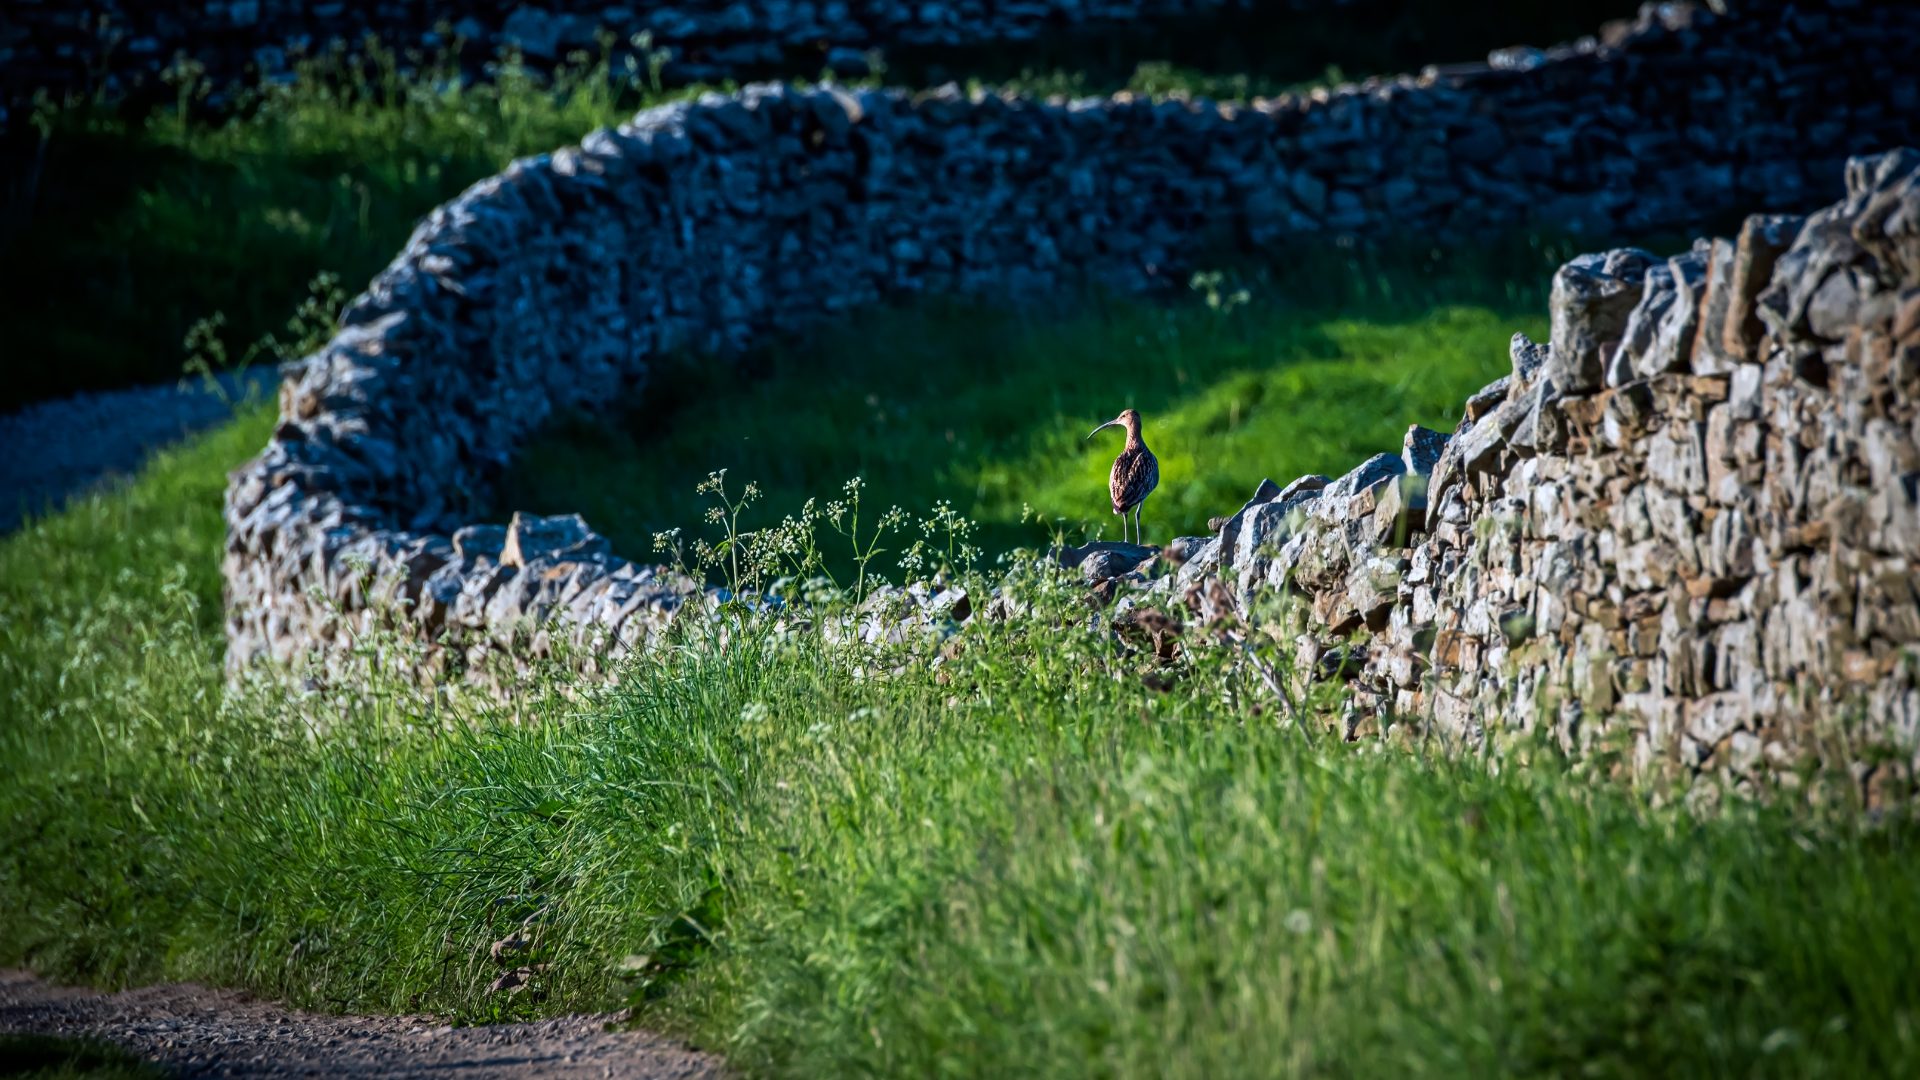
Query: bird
(1136, 472)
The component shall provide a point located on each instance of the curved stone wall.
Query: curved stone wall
(1687, 530)
(701, 226)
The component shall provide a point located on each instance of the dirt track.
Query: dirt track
(193, 1031)
(57, 449)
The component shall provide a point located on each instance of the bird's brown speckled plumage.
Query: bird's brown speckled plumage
(1136, 472)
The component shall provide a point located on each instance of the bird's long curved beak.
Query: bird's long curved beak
(1101, 428)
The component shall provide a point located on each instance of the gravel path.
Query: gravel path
(196, 1032)
(55, 449)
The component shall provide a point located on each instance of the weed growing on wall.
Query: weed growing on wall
(306, 330)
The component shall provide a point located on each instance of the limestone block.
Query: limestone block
(1591, 300)
(530, 537)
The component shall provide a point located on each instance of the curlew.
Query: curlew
(1135, 472)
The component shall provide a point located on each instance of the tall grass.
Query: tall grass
(1028, 857)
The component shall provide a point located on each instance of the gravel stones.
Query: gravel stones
(191, 1030)
(55, 449)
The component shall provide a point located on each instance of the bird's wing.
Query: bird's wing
(1134, 474)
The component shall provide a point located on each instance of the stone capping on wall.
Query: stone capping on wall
(1687, 530)
(702, 226)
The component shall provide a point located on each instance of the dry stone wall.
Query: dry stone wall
(1687, 530)
(703, 226)
(119, 43)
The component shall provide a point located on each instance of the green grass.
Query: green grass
(1027, 859)
(1325, 364)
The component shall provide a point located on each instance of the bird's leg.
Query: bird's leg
(1138, 537)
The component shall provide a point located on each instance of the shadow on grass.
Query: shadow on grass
(133, 237)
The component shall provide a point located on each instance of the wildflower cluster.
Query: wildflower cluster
(779, 557)
(1223, 294)
(945, 546)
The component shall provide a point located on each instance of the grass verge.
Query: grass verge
(1033, 861)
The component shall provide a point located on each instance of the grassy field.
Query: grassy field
(1309, 367)
(1029, 859)
(135, 227)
